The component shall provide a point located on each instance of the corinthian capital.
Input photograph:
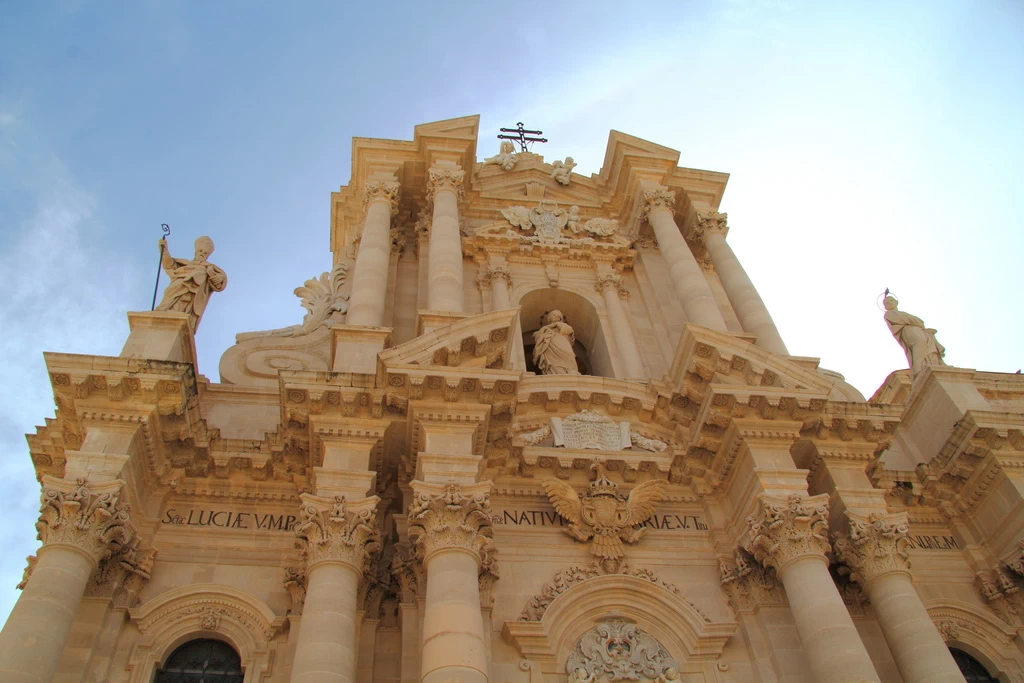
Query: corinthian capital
(605, 280)
(784, 530)
(382, 190)
(94, 521)
(336, 530)
(875, 545)
(500, 272)
(445, 179)
(708, 222)
(658, 197)
(451, 516)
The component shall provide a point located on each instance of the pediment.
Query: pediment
(479, 341)
(491, 182)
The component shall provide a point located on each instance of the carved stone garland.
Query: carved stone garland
(784, 530)
(616, 650)
(875, 546)
(330, 530)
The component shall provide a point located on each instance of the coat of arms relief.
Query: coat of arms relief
(547, 223)
(616, 650)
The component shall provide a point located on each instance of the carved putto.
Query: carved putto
(616, 650)
(192, 282)
(325, 300)
(561, 171)
(603, 515)
(505, 158)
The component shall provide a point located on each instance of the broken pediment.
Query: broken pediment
(479, 341)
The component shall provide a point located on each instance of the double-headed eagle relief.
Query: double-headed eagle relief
(603, 515)
(548, 224)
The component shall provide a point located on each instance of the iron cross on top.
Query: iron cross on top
(520, 136)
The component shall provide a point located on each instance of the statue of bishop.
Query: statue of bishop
(192, 282)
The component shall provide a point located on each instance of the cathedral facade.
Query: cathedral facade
(533, 427)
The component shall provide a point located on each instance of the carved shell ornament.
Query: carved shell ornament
(603, 515)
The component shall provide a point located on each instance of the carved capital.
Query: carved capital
(707, 222)
(874, 546)
(123, 575)
(338, 531)
(451, 517)
(93, 521)
(658, 197)
(450, 179)
(784, 530)
(295, 583)
(382, 191)
(748, 584)
(606, 280)
(501, 272)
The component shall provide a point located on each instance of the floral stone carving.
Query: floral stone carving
(876, 545)
(94, 522)
(619, 651)
(784, 530)
(452, 518)
(325, 300)
(605, 515)
(336, 530)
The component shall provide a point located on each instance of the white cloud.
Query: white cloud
(57, 292)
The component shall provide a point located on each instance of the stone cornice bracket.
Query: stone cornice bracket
(452, 516)
(875, 545)
(657, 197)
(706, 222)
(499, 271)
(782, 531)
(382, 190)
(336, 530)
(451, 179)
(605, 280)
(91, 520)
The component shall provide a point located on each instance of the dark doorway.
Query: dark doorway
(202, 661)
(971, 668)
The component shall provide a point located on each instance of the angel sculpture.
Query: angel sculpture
(605, 515)
(506, 156)
(561, 171)
(519, 217)
(326, 300)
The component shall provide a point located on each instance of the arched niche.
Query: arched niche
(980, 634)
(690, 637)
(583, 312)
(212, 611)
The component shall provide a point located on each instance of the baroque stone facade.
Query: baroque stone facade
(533, 426)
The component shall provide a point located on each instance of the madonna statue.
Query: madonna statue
(552, 351)
(918, 342)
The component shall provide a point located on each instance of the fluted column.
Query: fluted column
(687, 277)
(501, 280)
(875, 550)
(370, 281)
(792, 536)
(444, 257)
(450, 527)
(337, 539)
(79, 528)
(613, 289)
(711, 226)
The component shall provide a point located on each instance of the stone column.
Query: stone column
(792, 536)
(687, 277)
(450, 528)
(79, 528)
(370, 282)
(337, 539)
(501, 280)
(875, 550)
(610, 285)
(711, 226)
(444, 257)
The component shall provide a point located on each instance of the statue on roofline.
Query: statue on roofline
(919, 343)
(506, 156)
(192, 282)
(561, 171)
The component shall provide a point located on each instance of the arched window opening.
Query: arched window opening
(971, 668)
(202, 661)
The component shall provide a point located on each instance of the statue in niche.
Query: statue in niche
(561, 171)
(918, 342)
(506, 156)
(552, 351)
(192, 282)
(325, 300)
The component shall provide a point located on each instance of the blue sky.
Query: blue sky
(871, 145)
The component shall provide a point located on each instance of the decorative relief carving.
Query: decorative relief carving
(706, 222)
(658, 197)
(452, 518)
(605, 515)
(295, 584)
(97, 523)
(567, 578)
(450, 179)
(326, 300)
(589, 430)
(408, 573)
(614, 280)
(784, 530)
(616, 650)
(561, 171)
(382, 190)
(123, 575)
(749, 584)
(875, 546)
(500, 272)
(548, 225)
(505, 158)
(602, 227)
(336, 530)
